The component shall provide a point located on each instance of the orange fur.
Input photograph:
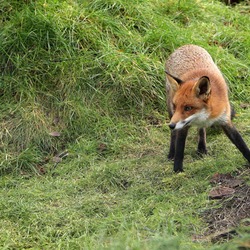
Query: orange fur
(197, 95)
(189, 63)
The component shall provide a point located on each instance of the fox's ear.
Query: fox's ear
(203, 88)
(173, 81)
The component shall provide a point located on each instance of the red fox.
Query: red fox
(197, 95)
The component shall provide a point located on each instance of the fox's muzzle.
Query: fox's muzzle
(172, 125)
(179, 125)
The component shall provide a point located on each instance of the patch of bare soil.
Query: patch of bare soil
(233, 208)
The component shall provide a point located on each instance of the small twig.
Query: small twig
(57, 159)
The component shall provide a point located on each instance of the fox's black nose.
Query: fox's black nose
(172, 125)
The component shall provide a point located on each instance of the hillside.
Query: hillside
(83, 124)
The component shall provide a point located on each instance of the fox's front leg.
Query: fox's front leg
(235, 137)
(202, 149)
(179, 149)
(171, 153)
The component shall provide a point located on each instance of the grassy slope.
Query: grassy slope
(95, 73)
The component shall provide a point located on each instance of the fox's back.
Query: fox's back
(188, 58)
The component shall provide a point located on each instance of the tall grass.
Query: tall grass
(86, 79)
(67, 66)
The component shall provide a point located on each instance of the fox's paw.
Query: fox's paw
(201, 152)
(170, 156)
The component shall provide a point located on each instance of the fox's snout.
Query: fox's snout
(180, 124)
(172, 126)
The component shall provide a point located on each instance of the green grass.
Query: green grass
(93, 71)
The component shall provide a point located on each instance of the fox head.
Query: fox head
(189, 101)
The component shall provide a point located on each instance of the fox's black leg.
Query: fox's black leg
(179, 149)
(235, 137)
(202, 149)
(172, 145)
(232, 111)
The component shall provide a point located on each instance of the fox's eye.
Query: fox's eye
(188, 108)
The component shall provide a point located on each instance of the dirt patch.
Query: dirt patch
(232, 208)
